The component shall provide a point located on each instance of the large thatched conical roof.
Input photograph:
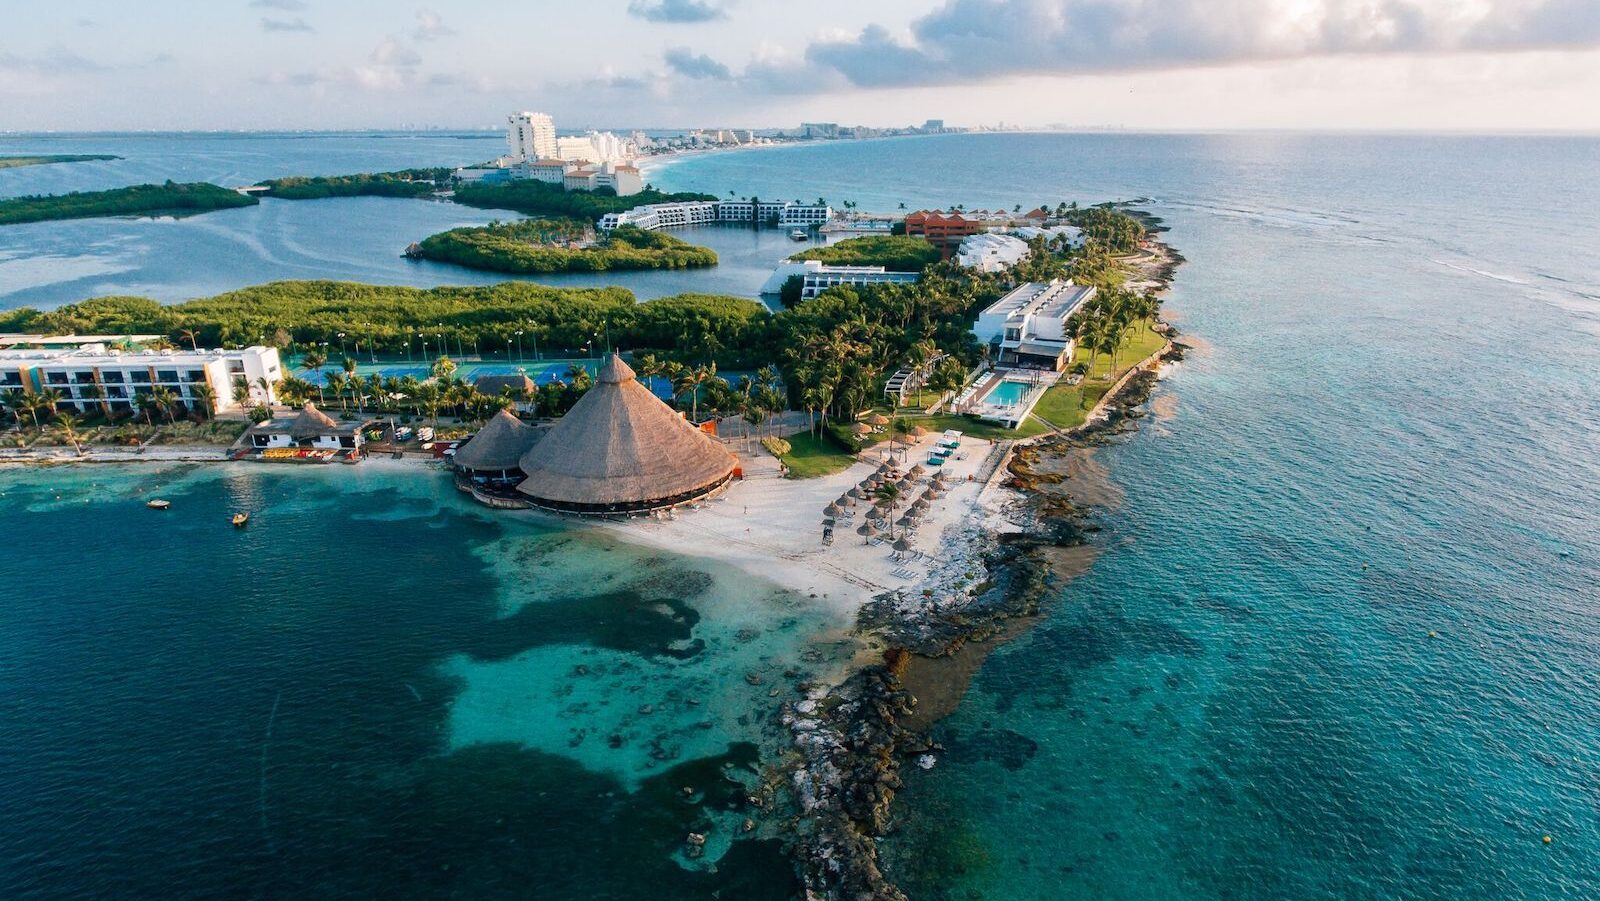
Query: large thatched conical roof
(621, 448)
(498, 445)
(311, 422)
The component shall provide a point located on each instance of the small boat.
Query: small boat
(158, 504)
(799, 234)
(239, 519)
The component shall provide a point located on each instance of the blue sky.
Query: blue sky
(1183, 64)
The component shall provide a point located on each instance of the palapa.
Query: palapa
(902, 545)
(311, 423)
(621, 449)
(498, 446)
(878, 419)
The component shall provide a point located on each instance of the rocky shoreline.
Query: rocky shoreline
(852, 740)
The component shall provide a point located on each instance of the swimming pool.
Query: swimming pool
(1007, 394)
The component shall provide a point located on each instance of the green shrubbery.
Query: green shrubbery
(170, 198)
(404, 183)
(534, 246)
(536, 198)
(896, 253)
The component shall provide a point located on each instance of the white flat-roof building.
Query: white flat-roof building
(531, 136)
(550, 171)
(663, 215)
(989, 252)
(1027, 328)
(1072, 233)
(816, 277)
(93, 378)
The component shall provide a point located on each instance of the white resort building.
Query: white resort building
(1027, 328)
(817, 277)
(92, 377)
(703, 212)
(531, 136)
(663, 215)
(990, 252)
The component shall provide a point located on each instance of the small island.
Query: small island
(169, 199)
(17, 162)
(539, 246)
(404, 183)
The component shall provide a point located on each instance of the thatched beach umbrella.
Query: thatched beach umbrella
(867, 530)
(861, 430)
(845, 500)
(918, 431)
(831, 510)
(907, 520)
(903, 545)
(920, 506)
(856, 494)
(867, 484)
(878, 419)
(918, 471)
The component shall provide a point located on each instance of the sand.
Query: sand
(771, 527)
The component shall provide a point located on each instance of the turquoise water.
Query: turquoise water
(1007, 393)
(376, 689)
(1388, 428)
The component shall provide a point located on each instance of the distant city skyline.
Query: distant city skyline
(1496, 65)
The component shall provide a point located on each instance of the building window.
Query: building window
(111, 377)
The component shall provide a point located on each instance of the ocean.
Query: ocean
(1341, 640)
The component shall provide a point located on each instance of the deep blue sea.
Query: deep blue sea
(1341, 642)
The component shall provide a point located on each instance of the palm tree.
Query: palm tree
(23, 401)
(192, 337)
(890, 492)
(443, 368)
(336, 383)
(265, 384)
(204, 398)
(349, 366)
(241, 391)
(690, 382)
(166, 400)
(48, 398)
(147, 406)
(68, 429)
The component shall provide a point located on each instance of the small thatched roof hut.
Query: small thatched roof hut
(498, 446)
(312, 423)
(621, 450)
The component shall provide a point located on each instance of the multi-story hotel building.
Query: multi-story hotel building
(531, 136)
(92, 377)
(677, 215)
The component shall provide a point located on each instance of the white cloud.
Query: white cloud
(431, 26)
(286, 25)
(676, 11)
(982, 39)
(686, 63)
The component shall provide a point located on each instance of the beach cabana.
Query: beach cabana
(310, 428)
(621, 450)
(494, 454)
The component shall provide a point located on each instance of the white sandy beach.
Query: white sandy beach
(771, 527)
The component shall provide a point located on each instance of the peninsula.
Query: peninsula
(16, 162)
(168, 199)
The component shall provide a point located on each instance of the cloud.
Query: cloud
(286, 25)
(292, 6)
(685, 62)
(972, 40)
(676, 11)
(55, 62)
(430, 26)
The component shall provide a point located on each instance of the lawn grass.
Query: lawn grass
(811, 457)
(1067, 406)
(973, 427)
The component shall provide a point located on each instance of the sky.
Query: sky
(1467, 65)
